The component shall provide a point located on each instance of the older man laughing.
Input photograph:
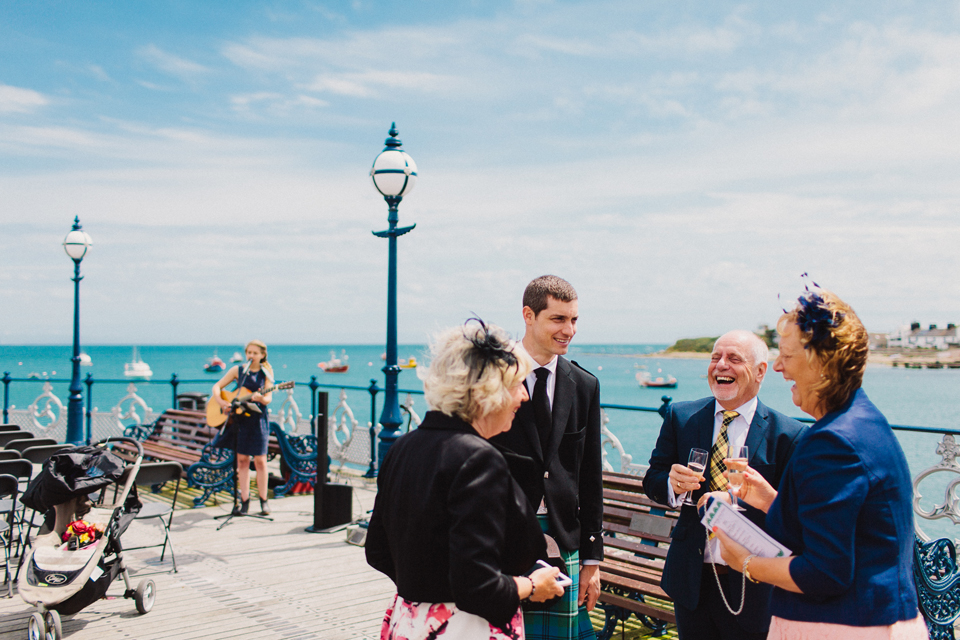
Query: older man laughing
(732, 418)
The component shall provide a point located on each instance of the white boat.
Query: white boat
(85, 360)
(138, 368)
(236, 357)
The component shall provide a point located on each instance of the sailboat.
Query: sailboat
(138, 368)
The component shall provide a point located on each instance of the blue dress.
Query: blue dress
(253, 430)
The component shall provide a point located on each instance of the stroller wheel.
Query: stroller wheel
(145, 595)
(54, 629)
(36, 627)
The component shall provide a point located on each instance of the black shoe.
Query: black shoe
(264, 507)
(242, 509)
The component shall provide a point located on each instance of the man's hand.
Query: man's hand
(684, 479)
(589, 585)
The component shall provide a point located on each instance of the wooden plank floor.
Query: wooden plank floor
(252, 579)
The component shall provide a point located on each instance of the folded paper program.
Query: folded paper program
(719, 514)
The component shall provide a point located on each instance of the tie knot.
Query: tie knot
(728, 417)
(542, 373)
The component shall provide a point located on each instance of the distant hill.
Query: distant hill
(695, 345)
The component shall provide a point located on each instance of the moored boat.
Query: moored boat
(138, 368)
(85, 360)
(644, 379)
(236, 357)
(214, 364)
(335, 364)
(409, 363)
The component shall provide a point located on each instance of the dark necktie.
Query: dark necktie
(719, 452)
(541, 406)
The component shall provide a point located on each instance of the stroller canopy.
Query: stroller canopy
(72, 473)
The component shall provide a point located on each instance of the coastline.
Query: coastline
(887, 357)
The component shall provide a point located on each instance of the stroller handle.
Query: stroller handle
(124, 439)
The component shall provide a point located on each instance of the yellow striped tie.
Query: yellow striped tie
(719, 452)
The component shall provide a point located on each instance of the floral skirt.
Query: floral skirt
(422, 620)
(781, 629)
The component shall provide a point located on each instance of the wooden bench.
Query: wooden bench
(636, 538)
(183, 436)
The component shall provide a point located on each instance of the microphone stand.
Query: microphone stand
(235, 512)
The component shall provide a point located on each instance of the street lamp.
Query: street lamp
(76, 244)
(394, 175)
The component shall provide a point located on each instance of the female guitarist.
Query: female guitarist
(253, 429)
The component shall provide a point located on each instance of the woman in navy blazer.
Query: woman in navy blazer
(843, 506)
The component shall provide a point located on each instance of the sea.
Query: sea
(916, 397)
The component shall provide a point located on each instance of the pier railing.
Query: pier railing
(349, 415)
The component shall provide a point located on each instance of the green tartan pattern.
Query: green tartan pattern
(564, 620)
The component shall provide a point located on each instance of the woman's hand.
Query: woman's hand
(224, 405)
(732, 552)
(756, 491)
(257, 397)
(717, 495)
(545, 581)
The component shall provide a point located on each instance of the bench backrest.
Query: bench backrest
(632, 521)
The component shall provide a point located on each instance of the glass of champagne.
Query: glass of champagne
(696, 462)
(736, 465)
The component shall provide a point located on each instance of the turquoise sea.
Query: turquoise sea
(922, 397)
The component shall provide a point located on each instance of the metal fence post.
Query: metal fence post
(89, 382)
(666, 400)
(372, 471)
(6, 396)
(173, 383)
(314, 421)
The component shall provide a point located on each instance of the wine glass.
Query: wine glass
(736, 465)
(696, 462)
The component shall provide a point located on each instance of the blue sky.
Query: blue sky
(681, 163)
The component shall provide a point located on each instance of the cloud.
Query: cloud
(170, 63)
(18, 100)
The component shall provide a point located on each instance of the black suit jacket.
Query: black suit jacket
(567, 475)
(449, 524)
(771, 439)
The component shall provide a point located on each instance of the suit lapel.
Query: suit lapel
(705, 419)
(757, 434)
(563, 394)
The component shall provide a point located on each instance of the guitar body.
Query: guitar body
(217, 416)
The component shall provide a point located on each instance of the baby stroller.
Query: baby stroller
(62, 577)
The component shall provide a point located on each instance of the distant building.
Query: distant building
(913, 337)
(877, 341)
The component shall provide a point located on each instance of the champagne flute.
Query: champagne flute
(736, 465)
(697, 462)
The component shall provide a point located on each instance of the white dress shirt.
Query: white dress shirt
(737, 435)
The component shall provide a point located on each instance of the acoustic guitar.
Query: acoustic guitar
(217, 416)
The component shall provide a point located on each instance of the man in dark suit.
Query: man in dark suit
(733, 417)
(557, 437)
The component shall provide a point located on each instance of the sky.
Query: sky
(680, 163)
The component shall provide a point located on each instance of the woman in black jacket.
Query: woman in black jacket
(450, 526)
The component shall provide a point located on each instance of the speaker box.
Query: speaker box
(332, 506)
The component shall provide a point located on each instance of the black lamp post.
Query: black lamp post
(76, 244)
(394, 174)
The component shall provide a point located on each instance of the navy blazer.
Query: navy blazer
(771, 439)
(844, 509)
(568, 475)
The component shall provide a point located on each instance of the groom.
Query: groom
(557, 437)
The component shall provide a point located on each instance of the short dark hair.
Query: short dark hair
(536, 294)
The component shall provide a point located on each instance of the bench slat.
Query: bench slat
(638, 607)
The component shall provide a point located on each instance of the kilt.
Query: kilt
(565, 620)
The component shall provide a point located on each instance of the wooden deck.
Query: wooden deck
(252, 579)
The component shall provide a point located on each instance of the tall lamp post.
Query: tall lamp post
(394, 174)
(76, 244)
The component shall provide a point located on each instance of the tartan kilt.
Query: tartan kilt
(565, 620)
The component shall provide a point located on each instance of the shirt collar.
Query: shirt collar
(746, 410)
